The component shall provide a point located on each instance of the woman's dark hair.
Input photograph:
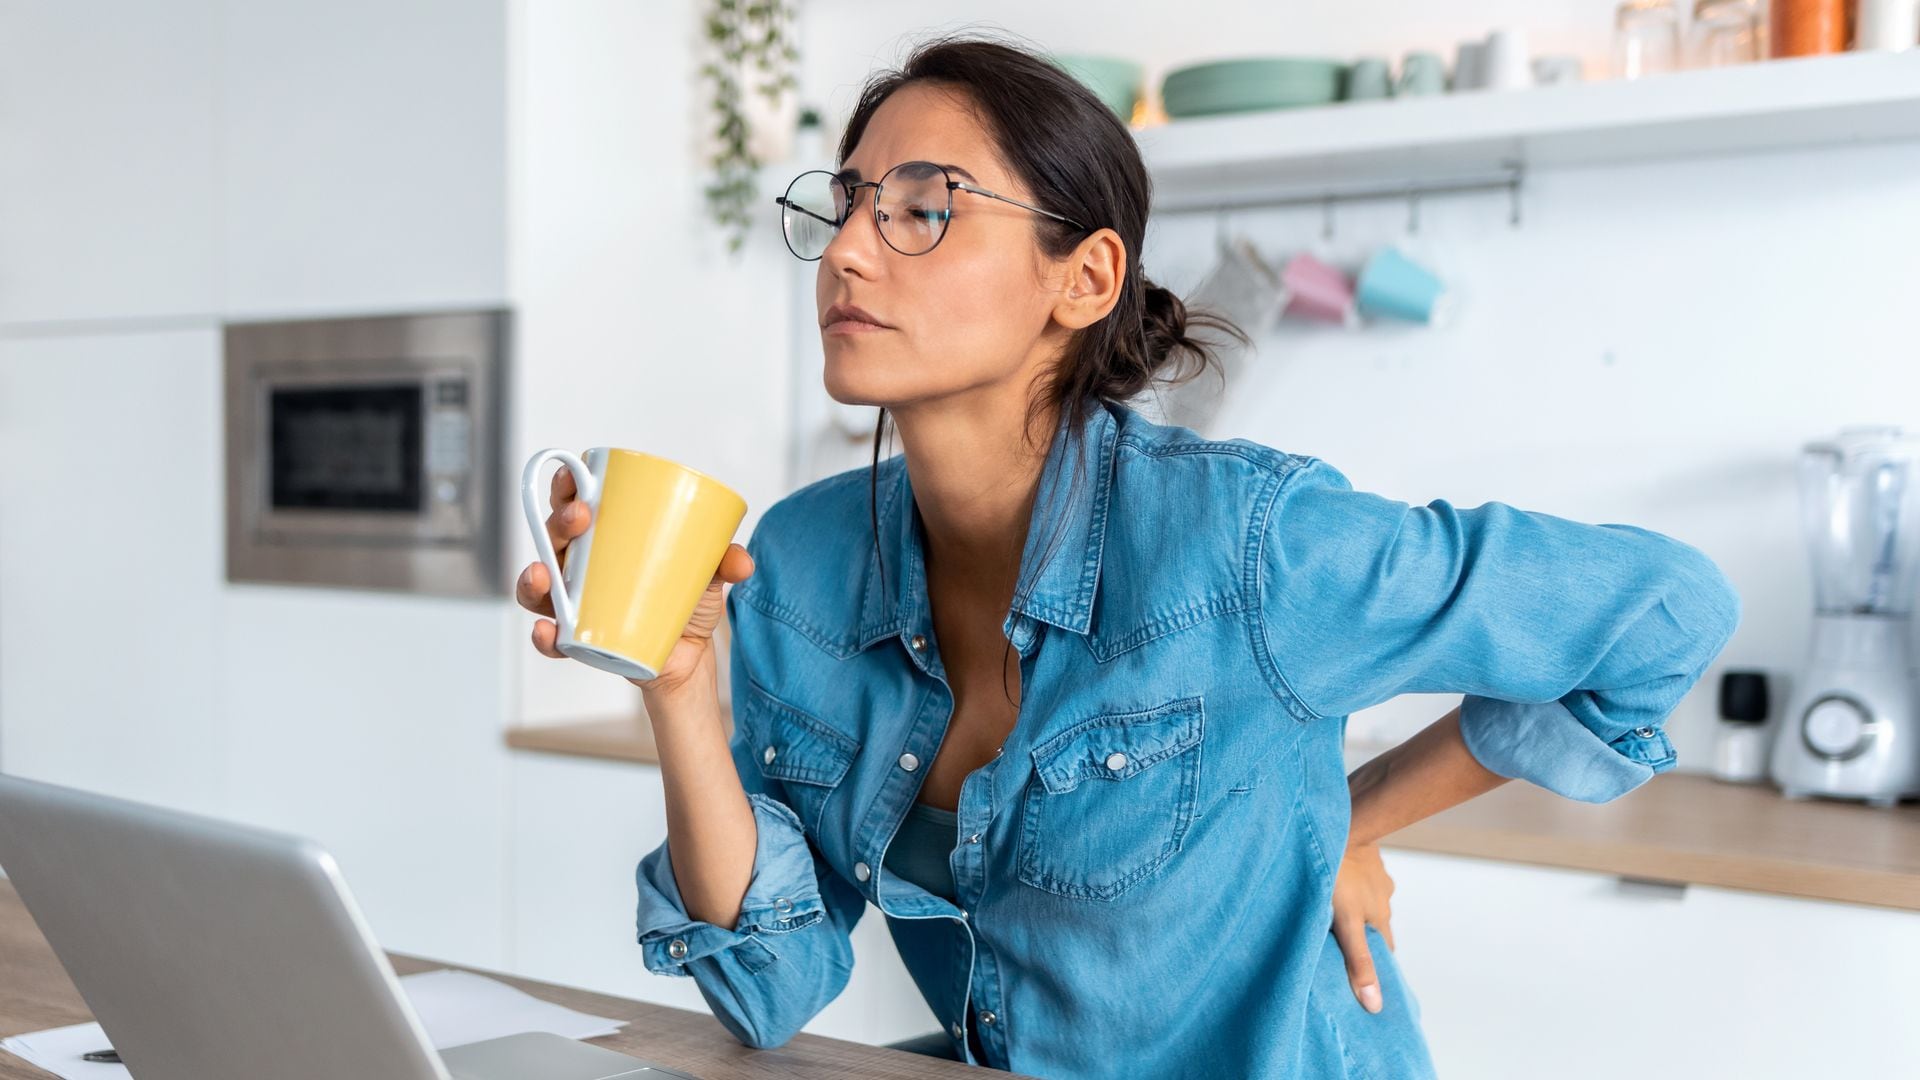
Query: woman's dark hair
(1077, 158)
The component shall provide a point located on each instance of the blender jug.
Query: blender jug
(1861, 508)
(1852, 725)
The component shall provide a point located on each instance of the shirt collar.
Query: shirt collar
(1062, 595)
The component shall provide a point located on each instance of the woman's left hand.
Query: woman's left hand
(1360, 892)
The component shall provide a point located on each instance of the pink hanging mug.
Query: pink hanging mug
(1315, 290)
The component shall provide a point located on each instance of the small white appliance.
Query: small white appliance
(1851, 728)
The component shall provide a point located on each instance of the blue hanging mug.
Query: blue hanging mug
(1395, 287)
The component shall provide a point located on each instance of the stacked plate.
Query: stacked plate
(1249, 85)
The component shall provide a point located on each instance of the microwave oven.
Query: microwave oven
(365, 452)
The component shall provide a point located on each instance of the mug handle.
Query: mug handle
(565, 605)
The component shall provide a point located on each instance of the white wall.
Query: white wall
(842, 40)
(636, 327)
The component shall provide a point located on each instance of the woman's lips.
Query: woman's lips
(853, 326)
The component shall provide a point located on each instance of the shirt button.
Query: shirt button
(677, 948)
(974, 839)
(909, 762)
(1116, 761)
(958, 1031)
(861, 871)
(783, 905)
(919, 642)
(1644, 732)
(986, 1016)
(964, 915)
(768, 756)
(997, 749)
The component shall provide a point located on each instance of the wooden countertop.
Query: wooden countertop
(1678, 826)
(1686, 827)
(612, 738)
(35, 994)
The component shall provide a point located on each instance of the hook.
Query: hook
(1220, 227)
(1513, 196)
(1413, 210)
(1326, 217)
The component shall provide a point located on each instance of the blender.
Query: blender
(1851, 728)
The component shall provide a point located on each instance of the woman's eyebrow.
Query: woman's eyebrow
(853, 175)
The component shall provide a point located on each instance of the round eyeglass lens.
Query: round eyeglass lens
(815, 203)
(914, 207)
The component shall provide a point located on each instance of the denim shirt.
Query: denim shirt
(1145, 868)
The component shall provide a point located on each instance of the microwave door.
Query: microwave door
(355, 449)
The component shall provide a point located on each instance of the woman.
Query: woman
(1062, 691)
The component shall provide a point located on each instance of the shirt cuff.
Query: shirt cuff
(1545, 744)
(782, 896)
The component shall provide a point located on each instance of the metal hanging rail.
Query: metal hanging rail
(1509, 179)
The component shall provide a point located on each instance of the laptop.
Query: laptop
(209, 950)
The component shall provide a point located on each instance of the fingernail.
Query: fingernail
(1370, 997)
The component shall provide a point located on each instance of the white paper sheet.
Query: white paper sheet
(456, 1007)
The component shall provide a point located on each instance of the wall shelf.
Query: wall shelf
(1292, 155)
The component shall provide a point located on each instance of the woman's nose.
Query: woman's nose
(859, 220)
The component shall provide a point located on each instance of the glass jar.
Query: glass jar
(1727, 32)
(1646, 38)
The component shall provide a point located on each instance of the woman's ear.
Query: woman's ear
(1094, 273)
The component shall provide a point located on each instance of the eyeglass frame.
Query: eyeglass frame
(853, 196)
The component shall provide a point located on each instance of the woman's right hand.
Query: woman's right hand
(570, 518)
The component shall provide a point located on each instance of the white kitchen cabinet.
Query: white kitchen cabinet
(196, 160)
(370, 722)
(1530, 971)
(579, 828)
(111, 565)
(363, 160)
(108, 160)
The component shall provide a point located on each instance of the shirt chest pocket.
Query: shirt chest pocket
(1110, 800)
(807, 757)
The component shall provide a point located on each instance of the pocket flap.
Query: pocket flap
(1117, 745)
(791, 744)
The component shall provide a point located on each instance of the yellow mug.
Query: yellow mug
(632, 580)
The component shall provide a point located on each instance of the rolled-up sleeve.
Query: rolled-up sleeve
(1571, 642)
(789, 953)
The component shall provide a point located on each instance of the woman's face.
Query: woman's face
(977, 309)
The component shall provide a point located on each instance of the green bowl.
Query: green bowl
(1112, 79)
(1250, 84)
(1257, 67)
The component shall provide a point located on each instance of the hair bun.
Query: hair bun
(1165, 322)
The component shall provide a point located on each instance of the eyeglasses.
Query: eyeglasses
(912, 204)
